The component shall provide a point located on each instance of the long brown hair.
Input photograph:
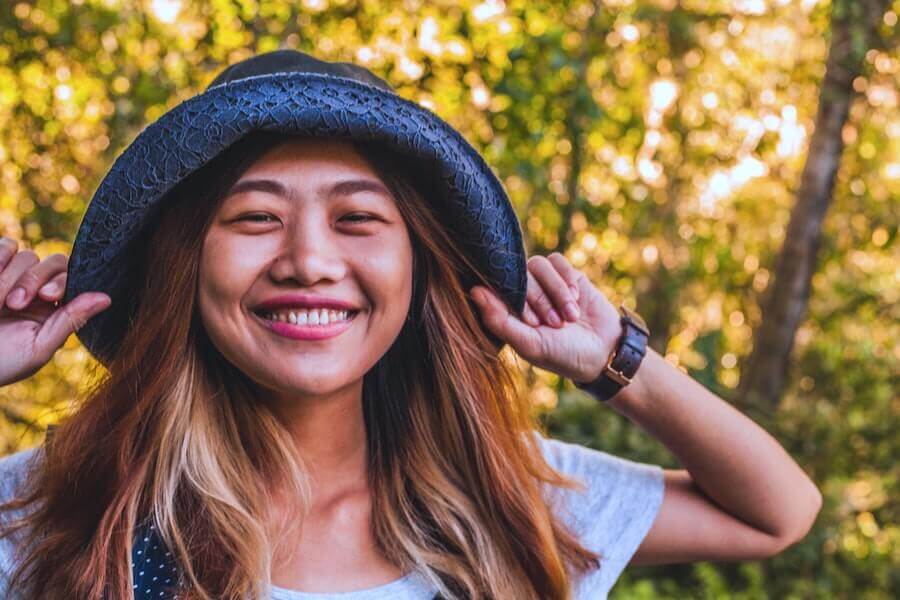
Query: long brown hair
(174, 434)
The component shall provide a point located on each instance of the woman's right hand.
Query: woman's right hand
(32, 328)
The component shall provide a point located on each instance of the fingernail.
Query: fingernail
(50, 288)
(554, 319)
(17, 296)
(574, 291)
(572, 310)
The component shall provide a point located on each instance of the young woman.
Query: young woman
(304, 395)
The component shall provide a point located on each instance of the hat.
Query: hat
(290, 92)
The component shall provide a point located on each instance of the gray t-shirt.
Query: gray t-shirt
(612, 516)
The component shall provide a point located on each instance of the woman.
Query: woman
(240, 447)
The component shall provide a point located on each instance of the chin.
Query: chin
(288, 384)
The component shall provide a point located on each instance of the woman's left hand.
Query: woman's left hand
(570, 345)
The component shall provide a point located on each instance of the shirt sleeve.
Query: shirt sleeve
(613, 513)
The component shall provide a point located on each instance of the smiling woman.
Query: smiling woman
(236, 431)
(304, 395)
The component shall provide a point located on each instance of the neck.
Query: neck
(330, 433)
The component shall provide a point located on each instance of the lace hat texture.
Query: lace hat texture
(291, 92)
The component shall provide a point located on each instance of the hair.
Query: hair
(173, 434)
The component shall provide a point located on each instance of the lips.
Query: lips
(298, 300)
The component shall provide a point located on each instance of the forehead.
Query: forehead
(318, 167)
(309, 156)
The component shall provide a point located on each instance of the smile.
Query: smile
(303, 328)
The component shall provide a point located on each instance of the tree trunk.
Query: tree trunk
(784, 304)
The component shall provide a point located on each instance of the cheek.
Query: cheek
(226, 270)
(389, 277)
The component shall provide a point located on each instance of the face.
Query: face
(309, 221)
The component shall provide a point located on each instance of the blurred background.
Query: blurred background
(729, 169)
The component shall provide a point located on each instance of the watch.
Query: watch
(624, 360)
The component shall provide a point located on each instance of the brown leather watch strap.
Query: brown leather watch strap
(624, 361)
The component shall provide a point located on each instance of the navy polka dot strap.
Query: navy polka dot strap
(153, 569)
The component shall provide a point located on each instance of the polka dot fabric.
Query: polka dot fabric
(153, 569)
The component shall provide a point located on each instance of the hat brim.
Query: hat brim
(198, 129)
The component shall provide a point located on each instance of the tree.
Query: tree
(854, 30)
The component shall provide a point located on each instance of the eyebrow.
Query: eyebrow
(344, 187)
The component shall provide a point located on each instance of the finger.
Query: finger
(568, 272)
(68, 319)
(528, 314)
(554, 286)
(53, 289)
(530, 317)
(540, 302)
(497, 317)
(18, 265)
(8, 248)
(537, 311)
(34, 278)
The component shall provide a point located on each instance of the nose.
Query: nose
(309, 253)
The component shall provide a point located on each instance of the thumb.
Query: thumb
(69, 318)
(502, 322)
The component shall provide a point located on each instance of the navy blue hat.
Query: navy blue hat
(289, 92)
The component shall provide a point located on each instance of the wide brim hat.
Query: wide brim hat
(287, 91)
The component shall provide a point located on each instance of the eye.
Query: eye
(365, 218)
(256, 216)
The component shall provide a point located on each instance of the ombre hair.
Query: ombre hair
(173, 434)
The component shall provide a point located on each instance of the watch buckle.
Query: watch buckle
(613, 374)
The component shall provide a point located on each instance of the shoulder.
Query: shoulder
(614, 510)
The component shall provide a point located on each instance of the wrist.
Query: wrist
(623, 361)
(605, 351)
(633, 396)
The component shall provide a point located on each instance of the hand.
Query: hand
(576, 347)
(32, 325)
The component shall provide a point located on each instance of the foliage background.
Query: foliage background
(686, 125)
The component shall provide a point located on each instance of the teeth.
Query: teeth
(316, 316)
